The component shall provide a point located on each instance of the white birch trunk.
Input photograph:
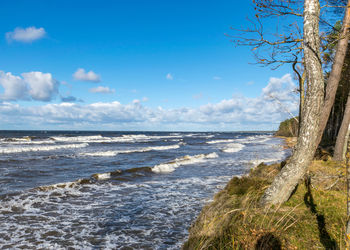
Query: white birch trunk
(285, 182)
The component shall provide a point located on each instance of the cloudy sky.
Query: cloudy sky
(135, 65)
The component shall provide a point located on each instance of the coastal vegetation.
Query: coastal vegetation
(314, 217)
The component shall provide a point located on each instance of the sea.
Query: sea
(117, 190)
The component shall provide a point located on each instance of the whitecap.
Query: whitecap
(9, 150)
(185, 160)
(233, 148)
(102, 176)
(221, 141)
(112, 153)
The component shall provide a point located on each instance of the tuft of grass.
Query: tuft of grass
(314, 217)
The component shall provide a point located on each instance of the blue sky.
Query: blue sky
(154, 65)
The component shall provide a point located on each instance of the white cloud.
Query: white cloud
(15, 88)
(217, 78)
(81, 75)
(236, 113)
(280, 88)
(26, 35)
(145, 99)
(101, 89)
(31, 86)
(169, 76)
(42, 87)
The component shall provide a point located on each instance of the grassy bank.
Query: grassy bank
(314, 217)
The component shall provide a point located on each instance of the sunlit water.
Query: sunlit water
(116, 190)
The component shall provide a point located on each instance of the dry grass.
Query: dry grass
(289, 142)
(313, 218)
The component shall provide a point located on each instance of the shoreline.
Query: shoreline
(289, 142)
(311, 218)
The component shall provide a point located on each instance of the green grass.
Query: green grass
(314, 217)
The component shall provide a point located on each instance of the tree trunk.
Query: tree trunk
(301, 80)
(339, 154)
(302, 98)
(347, 232)
(335, 74)
(285, 182)
(345, 145)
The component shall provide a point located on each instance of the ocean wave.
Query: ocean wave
(186, 160)
(233, 148)
(69, 184)
(142, 137)
(74, 218)
(9, 150)
(126, 173)
(26, 140)
(256, 162)
(104, 139)
(254, 139)
(221, 141)
(112, 153)
(86, 139)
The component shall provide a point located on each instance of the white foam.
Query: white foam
(103, 176)
(104, 139)
(186, 160)
(265, 160)
(221, 141)
(164, 147)
(211, 155)
(276, 157)
(200, 135)
(112, 153)
(69, 184)
(25, 140)
(233, 148)
(9, 150)
(102, 153)
(77, 138)
(254, 139)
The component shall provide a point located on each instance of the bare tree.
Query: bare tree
(285, 182)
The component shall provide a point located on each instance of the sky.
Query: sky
(135, 65)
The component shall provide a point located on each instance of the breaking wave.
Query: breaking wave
(26, 140)
(41, 148)
(171, 166)
(111, 153)
(122, 138)
(233, 147)
(254, 139)
(221, 141)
